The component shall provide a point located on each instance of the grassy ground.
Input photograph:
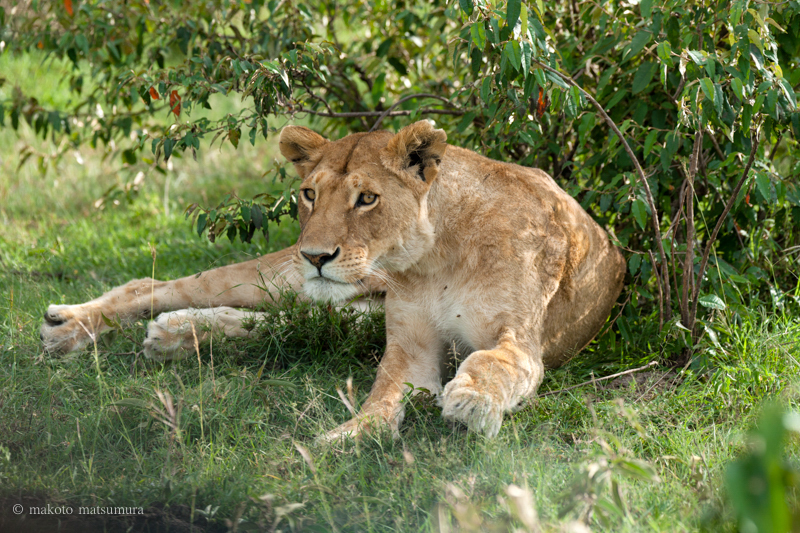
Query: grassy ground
(226, 440)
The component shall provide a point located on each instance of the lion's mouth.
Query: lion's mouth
(326, 279)
(322, 288)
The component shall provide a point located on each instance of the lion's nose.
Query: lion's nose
(318, 260)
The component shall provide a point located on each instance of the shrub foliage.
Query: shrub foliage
(674, 123)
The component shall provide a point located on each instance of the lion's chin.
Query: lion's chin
(326, 290)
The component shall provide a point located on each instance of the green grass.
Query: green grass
(90, 429)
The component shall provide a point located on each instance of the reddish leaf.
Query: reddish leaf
(68, 6)
(234, 135)
(175, 102)
(542, 103)
(40, 45)
(154, 94)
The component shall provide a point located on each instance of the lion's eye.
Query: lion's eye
(366, 198)
(309, 194)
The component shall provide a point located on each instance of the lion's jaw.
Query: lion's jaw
(363, 206)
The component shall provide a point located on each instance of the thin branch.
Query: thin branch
(688, 260)
(316, 96)
(612, 376)
(720, 221)
(388, 112)
(775, 148)
(679, 89)
(640, 172)
(717, 148)
(660, 295)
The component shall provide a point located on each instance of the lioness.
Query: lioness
(492, 257)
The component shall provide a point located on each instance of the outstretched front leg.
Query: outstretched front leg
(414, 356)
(490, 382)
(72, 327)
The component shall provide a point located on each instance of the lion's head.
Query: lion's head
(362, 204)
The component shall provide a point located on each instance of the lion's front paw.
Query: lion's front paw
(171, 336)
(67, 328)
(465, 401)
(361, 425)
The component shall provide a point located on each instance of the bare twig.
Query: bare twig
(717, 148)
(660, 294)
(720, 221)
(388, 112)
(316, 96)
(595, 380)
(688, 260)
(639, 171)
(775, 148)
(679, 89)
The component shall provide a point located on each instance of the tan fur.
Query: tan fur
(492, 258)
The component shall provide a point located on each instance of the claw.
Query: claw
(52, 321)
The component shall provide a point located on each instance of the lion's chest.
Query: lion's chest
(460, 316)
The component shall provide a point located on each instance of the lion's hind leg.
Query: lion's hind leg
(173, 335)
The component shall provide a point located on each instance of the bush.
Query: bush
(674, 124)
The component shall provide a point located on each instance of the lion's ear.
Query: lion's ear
(417, 150)
(299, 145)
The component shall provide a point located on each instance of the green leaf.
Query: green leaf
(527, 51)
(202, 218)
(762, 182)
(82, 43)
(169, 144)
(755, 39)
(234, 136)
(476, 61)
(486, 89)
(788, 92)
(772, 103)
(494, 34)
(664, 51)
(639, 212)
(638, 43)
(651, 139)
(646, 8)
(512, 12)
(711, 301)
(574, 101)
(256, 216)
(523, 17)
(466, 6)
(513, 54)
(633, 263)
(643, 76)
(619, 95)
(698, 57)
(478, 33)
(538, 73)
(708, 88)
(719, 99)
(738, 88)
